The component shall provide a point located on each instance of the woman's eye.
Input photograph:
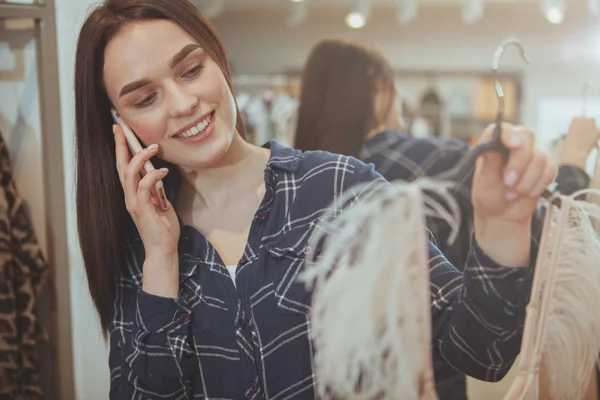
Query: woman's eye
(192, 72)
(146, 101)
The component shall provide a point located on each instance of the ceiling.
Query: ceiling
(352, 2)
(298, 10)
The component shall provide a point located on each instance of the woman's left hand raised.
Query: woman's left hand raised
(505, 195)
(509, 190)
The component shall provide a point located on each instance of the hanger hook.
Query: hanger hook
(462, 170)
(497, 56)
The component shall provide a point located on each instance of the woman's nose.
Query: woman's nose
(182, 103)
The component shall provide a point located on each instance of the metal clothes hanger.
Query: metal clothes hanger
(464, 167)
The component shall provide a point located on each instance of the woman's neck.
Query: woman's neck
(239, 171)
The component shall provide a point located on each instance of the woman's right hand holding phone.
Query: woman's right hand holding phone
(159, 230)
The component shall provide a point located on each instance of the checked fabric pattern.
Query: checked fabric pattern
(398, 156)
(252, 342)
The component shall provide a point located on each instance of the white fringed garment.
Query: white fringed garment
(370, 318)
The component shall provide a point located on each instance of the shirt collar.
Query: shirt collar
(281, 158)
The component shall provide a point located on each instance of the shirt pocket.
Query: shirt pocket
(288, 253)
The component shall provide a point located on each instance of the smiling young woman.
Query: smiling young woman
(200, 300)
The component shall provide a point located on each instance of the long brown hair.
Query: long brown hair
(339, 84)
(103, 222)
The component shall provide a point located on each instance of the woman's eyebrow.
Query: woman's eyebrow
(135, 85)
(176, 59)
(182, 54)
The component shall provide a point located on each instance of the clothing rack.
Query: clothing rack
(438, 119)
(268, 106)
(42, 14)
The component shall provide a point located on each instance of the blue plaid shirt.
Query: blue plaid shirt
(252, 342)
(398, 156)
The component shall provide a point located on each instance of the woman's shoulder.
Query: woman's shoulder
(316, 165)
(312, 180)
(401, 143)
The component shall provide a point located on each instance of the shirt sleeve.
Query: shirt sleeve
(151, 355)
(571, 179)
(412, 159)
(477, 314)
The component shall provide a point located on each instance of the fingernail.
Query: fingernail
(510, 179)
(164, 170)
(510, 196)
(153, 146)
(515, 141)
(114, 129)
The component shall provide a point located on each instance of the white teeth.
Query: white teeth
(198, 128)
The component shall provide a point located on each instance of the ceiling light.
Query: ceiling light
(554, 15)
(356, 20)
(359, 14)
(554, 10)
(296, 1)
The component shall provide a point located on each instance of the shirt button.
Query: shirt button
(307, 250)
(253, 387)
(243, 323)
(185, 317)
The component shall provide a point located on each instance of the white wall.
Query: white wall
(90, 352)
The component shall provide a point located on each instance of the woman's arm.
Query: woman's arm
(478, 314)
(151, 353)
(150, 342)
(482, 333)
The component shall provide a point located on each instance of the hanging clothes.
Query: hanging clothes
(23, 272)
(283, 115)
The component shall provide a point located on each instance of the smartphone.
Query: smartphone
(135, 147)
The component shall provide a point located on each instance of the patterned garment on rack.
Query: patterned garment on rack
(398, 156)
(251, 340)
(23, 272)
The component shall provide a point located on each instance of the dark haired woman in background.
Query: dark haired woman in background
(348, 105)
(200, 300)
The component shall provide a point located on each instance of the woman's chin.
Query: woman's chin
(210, 154)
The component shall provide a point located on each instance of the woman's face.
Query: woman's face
(170, 92)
